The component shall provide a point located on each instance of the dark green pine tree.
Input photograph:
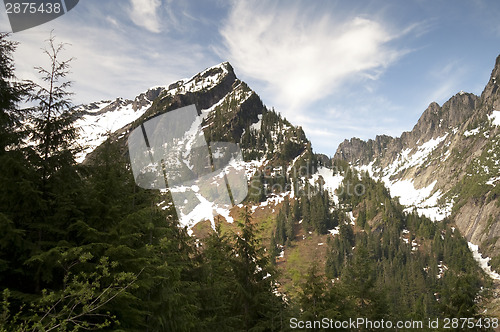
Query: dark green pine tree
(296, 210)
(19, 196)
(273, 249)
(123, 222)
(458, 295)
(255, 301)
(319, 298)
(312, 298)
(358, 280)
(305, 211)
(11, 93)
(217, 285)
(53, 117)
(289, 231)
(257, 192)
(169, 287)
(281, 228)
(335, 257)
(319, 213)
(104, 230)
(53, 157)
(39, 204)
(361, 220)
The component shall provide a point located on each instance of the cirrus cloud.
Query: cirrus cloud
(302, 56)
(144, 13)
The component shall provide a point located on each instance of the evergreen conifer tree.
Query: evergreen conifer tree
(11, 93)
(218, 286)
(256, 303)
(53, 156)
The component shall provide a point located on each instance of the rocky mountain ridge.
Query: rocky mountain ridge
(230, 112)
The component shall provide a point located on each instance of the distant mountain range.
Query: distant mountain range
(447, 166)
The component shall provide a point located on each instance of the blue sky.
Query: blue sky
(340, 69)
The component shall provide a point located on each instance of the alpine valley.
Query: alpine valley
(446, 170)
(389, 229)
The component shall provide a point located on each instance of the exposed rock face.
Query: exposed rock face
(436, 121)
(146, 98)
(479, 222)
(491, 92)
(455, 148)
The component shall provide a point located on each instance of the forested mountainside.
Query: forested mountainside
(84, 247)
(447, 166)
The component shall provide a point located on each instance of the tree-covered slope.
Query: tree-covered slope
(447, 166)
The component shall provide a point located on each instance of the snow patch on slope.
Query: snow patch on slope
(472, 132)
(483, 262)
(256, 126)
(367, 168)
(408, 194)
(424, 200)
(331, 182)
(205, 210)
(420, 199)
(334, 231)
(199, 81)
(409, 158)
(495, 118)
(493, 180)
(250, 167)
(96, 126)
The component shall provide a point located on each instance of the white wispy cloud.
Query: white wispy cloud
(112, 20)
(112, 57)
(303, 56)
(144, 13)
(446, 80)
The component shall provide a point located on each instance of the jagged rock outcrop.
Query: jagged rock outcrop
(436, 121)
